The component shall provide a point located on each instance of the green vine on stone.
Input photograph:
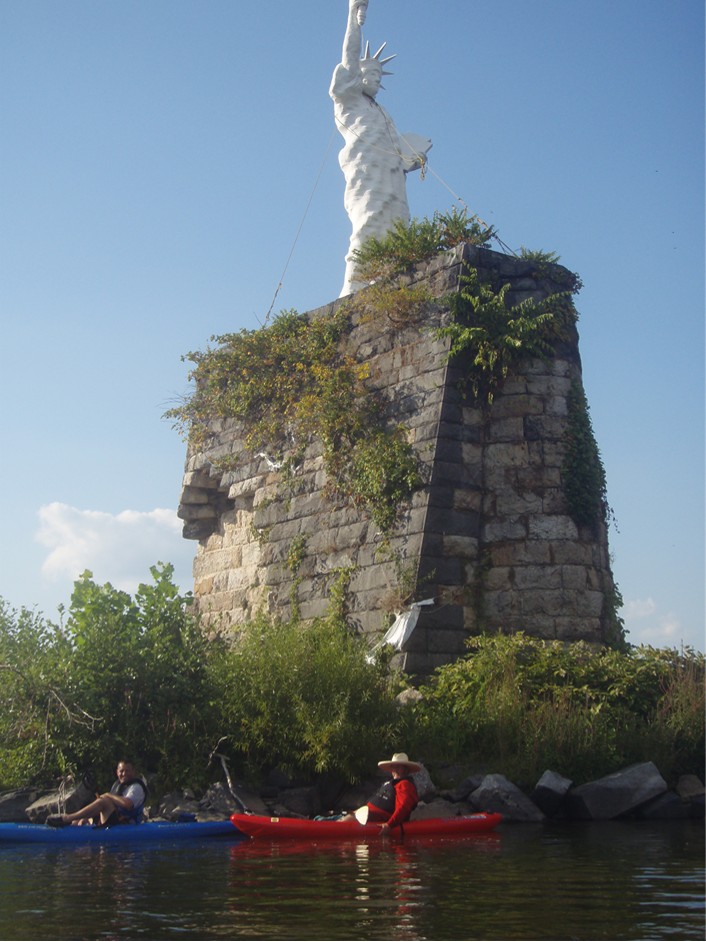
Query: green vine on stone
(291, 382)
(493, 337)
(409, 243)
(583, 474)
(295, 557)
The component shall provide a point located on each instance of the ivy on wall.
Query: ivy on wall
(494, 337)
(583, 474)
(290, 382)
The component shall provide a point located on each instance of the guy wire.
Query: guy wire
(427, 168)
(301, 225)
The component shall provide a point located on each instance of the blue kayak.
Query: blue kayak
(150, 831)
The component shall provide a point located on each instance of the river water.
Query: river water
(631, 880)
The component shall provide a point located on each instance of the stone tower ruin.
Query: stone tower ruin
(490, 537)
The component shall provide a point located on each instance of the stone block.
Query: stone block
(464, 547)
(617, 794)
(545, 428)
(501, 530)
(506, 430)
(506, 455)
(555, 528)
(511, 504)
(516, 407)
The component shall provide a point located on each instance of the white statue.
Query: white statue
(375, 157)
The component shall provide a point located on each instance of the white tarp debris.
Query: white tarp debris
(400, 630)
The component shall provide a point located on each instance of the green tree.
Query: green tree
(119, 676)
(304, 698)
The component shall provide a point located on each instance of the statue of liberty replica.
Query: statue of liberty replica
(375, 157)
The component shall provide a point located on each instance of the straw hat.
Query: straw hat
(399, 758)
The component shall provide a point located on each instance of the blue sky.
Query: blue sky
(164, 164)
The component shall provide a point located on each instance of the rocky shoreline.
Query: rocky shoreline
(638, 791)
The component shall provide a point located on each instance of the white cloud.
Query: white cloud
(116, 548)
(639, 608)
(647, 625)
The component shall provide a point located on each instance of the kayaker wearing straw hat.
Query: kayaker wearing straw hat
(393, 802)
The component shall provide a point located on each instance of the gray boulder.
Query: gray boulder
(618, 794)
(14, 803)
(177, 806)
(666, 807)
(424, 785)
(68, 799)
(438, 808)
(465, 788)
(304, 801)
(496, 793)
(690, 787)
(550, 791)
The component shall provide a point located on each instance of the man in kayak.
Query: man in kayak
(393, 802)
(123, 804)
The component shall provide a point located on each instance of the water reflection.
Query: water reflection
(599, 881)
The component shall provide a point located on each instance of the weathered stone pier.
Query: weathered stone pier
(490, 536)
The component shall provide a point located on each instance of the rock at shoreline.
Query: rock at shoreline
(496, 793)
(13, 804)
(550, 791)
(64, 800)
(439, 808)
(617, 794)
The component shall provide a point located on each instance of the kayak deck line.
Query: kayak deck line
(274, 828)
(146, 832)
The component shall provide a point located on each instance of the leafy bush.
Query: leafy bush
(121, 676)
(495, 338)
(290, 382)
(408, 243)
(521, 705)
(136, 676)
(302, 697)
(34, 709)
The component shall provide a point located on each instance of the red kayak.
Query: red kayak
(260, 826)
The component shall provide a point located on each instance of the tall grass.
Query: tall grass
(518, 705)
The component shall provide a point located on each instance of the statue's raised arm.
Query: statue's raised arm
(357, 10)
(375, 156)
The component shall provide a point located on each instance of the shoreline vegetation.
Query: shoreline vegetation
(135, 676)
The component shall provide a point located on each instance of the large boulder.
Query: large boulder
(550, 791)
(424, 785)
(496, 793)
(665, 807)
(304, 802)
(68, 798)
(13, 804)
(690, 788)
(178, 806)
(616, 795)
(438, 808)
(461, 791)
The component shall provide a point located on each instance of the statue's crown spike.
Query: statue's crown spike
(366, 54)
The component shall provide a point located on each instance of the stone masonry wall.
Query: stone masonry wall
(489, 537)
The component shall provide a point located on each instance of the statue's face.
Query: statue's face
(372, 77)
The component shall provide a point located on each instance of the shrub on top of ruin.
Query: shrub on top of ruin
(291, 382)
(418, 240)
(493, 337)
